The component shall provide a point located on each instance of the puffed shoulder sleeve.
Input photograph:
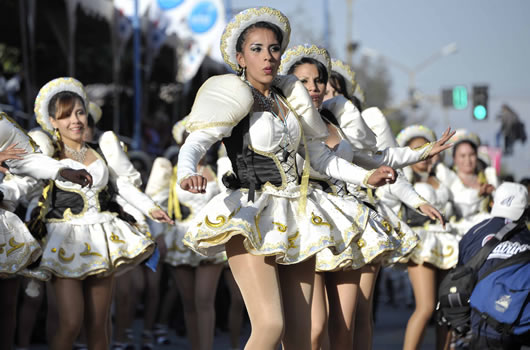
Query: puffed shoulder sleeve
(159, 181)
(376, 120)
(357, 132)
(34, 163)
(117, 159)
(123, 175)
(16, 190)
(221, 103)
(300, 102)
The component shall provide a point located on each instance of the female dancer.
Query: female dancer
(438, 247)
(471, 183)
(342, 82)
(308, 63)
(18, 248)
(197, 276)
(270, 223)
(86, 243)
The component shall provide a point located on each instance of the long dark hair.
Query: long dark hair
(338, 82)
(321, 68)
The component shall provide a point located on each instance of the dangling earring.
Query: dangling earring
(244, 74)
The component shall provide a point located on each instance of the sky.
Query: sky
(493, 48)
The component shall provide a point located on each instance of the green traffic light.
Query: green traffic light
(479, 112)
(460, 97)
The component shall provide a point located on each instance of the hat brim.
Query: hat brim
(47, 92)
(413, 131)
(95, 111)
(513, 214)
(245, 19)
(296, 53)
(348, 74)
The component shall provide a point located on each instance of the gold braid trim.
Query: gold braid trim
(173, 201)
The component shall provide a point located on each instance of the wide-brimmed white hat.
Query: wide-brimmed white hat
(296, 53)
(414, 131)
(47, 92)
(462, 135)
(352, 87)
(510, 201)
(242, 21)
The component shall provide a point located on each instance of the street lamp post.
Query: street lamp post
(411, 72)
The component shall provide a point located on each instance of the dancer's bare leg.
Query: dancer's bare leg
(235, 313)
(364, 323)
(28, 314)
(297, 293)
(206, 280)
(258, 281)
(69, 298)
(319, 312)
(423, 279)
(342, 288)
(185, 277)
(97, 298)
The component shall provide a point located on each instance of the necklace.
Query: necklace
(76, 155)
(265, 103)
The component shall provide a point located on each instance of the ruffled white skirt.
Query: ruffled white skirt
(99, 245)
(272, 225)
(437, 246)
(18, 248)
(386, 239)
(180, 255)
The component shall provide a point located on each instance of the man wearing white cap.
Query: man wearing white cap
(510, 204)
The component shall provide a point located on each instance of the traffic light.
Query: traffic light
(455, 97)
(480, 102)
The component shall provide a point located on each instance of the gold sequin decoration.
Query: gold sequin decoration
(361, 243)
(317, 220)
(88, 251)
(281, 227)
(450, 251)
(2, 247)
(221, 221)
(292, 239)
(14, 246)
(114, 238)
(62, 255)
(54, 250)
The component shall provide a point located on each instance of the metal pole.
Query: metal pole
(25, 56)
(116, 57)
(137, 138)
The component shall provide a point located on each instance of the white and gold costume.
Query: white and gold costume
(18, 248)
(85, 236)
(437, 245)
(189, 205)
(286, 218)
(94, 240)
(469, 207)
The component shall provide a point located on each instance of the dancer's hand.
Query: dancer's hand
(440, 145)
(80, 177)
(485, 189)
(194, 184)
(382, 176)
(160, 215)
(11, 152)
(432, 212)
